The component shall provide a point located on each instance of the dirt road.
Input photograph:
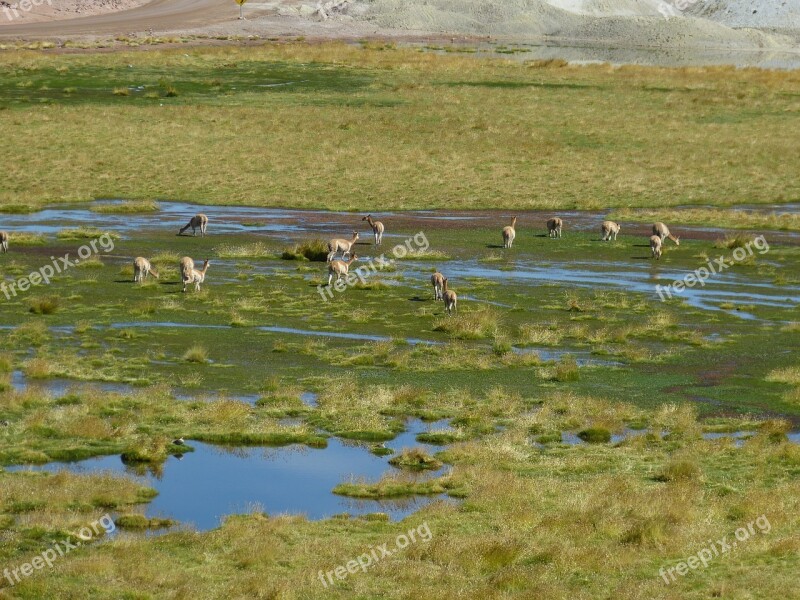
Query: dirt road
(158, 15)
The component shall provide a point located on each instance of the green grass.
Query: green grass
(364, 126)
(84, 233)
(127, 207)
(313, 250)
(595, 435)
(760, 219)
(44, 305)
(139, 522)
(343, 102)
(415, 459)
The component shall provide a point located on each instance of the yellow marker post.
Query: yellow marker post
(241, 4)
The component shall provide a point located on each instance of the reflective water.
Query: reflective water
(204, 486)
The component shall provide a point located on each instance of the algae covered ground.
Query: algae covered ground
(565, 434)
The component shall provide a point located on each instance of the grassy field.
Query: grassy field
(555, 341)
(649, 501)
(348, 127)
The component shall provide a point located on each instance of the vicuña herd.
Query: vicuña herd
(339, 267)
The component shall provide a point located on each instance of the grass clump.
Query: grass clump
(539, 335)
(18, 209)
(152, 450)
(43, 305)
(24, 238)
(477, 325)
(395, 487)
(595, 435)
(165, 256)
(84, 233)
(439, 438)
(680, 469)
(566, 369)
(252, 250)
(93, 262)
(196, 354)
(127, 207)
(415, 459)
(420, 254)
(256, 438)
(139, 522)
(731, 242)
(313, 250)
(789, 375)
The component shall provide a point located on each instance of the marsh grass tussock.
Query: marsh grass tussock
(315, 250)
(415, 459)
(139, 522)
(251, 250)
(731, 242)
(84, 233)
(595, 435)
(127, 207)
(93, 262)
(196, 354)
(396, 486)
(152, 450)
(788, 375)
(475, 325)
(34, 333)
(17, 209)
(680, 469)
(43, 305)
(164, 257)
(24, 238)
(425, 255)
(565, 370)
(539, 335)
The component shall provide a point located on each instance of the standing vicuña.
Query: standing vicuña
(199, 221)
(450, 299)
(194, 276)
(341, 245)
(377, 229)
(339, 268)
(4, 241)
(609, 228)
(554, 227)
(509, 233)
(662, 231)
(142, 268)
(655, 246)
(437, 280)
(187, 264)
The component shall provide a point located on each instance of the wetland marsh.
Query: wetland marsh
(565, 434)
